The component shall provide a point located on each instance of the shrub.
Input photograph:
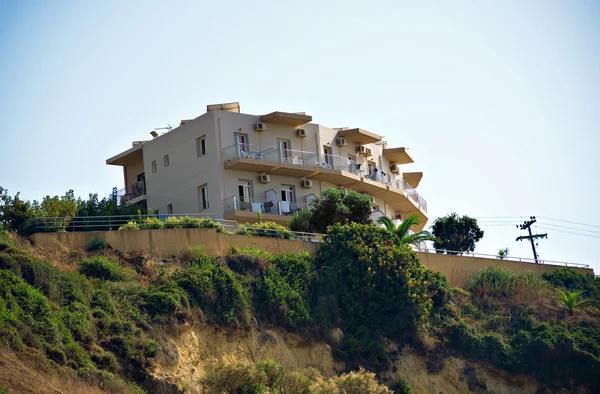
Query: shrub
(173, 222)
(339, 206)
(501, 282)
(233, 375)
(216, 290)
(106, 361)
(194, 252)
(130, 226)
(301, 222)
(102, 268)
(571, 280)
(152, 223)
(374, 281)
(265, 229)
(165, 299)
(97, 243)
(241, 261)
(192, 222)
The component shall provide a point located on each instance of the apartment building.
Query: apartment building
(234, 165)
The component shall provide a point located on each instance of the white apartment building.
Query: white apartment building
(234, 165)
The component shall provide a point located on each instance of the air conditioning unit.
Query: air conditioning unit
(307, 183)
(361, 150)
(301, 133)
(395, 168)
(372, 200)
(369, 153)
(260, 126)
(341, 142)
(265, 178)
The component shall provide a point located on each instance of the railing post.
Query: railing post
(234, 203)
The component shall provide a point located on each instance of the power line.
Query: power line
(570, 228)
(566, 221)
(531, 237)
(567, 232)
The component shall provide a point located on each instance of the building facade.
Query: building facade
(234, 165)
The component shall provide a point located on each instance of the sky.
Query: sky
(499, 102)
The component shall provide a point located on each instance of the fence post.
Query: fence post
(109, 228)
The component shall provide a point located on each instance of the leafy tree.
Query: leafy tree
(339, 206)
(456, 235)
(14, 212)
(301, 222)
(571, 300)
(402, 230)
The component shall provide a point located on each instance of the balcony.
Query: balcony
(132, 194)
(359, 136)
(247, 209)
(398, 155)
(286, 118)
(337, 170)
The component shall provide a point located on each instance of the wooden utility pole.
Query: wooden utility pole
(527, 226)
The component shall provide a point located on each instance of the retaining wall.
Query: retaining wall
(457, 269)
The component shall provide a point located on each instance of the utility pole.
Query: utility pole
(527, 226)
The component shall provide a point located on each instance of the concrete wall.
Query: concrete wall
(457, 269)
(169, 242)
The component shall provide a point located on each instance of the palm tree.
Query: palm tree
(503, 253)
(402, 230)
(571, 300)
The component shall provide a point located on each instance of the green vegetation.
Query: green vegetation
(571, 300)
(339, 206)
(97, 243)
(456, 235)
(102, 268)
(265, 229)
(402, 230)
(503, 253)
(301, 222)
(513, 322)
(154, 223)
(234, 375)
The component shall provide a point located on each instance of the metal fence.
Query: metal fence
(112, 223)
(509, 258)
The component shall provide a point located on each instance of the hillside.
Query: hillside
(103, 321)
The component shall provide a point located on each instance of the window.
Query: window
(170, 209)
(287, 193)
(202, 198)
(166, 160)
(154, 166)
(244, 190)
(201, 146)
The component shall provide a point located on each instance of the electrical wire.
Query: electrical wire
(569, 228)
(567, 232)
(567, 221)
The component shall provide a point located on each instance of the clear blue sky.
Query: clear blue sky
(499, 102)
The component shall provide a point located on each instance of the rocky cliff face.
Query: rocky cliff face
(186, 351)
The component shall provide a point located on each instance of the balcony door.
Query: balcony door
(327, 156)
(284, 149)
(241, 142)
(244, 190)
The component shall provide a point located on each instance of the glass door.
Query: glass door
(283, 147)
(241, 142)
(244, 190)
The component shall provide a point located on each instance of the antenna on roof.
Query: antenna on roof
(164, 128)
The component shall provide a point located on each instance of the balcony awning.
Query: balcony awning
(359, 136)
(128, 157)
(398, 155)
(413, 178)
(286, 118)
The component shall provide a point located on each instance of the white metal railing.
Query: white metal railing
(508, 258)
(253, 204)
(312, 159)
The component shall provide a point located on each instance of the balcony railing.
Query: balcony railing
(252, 204)
(312, 159)
(131, 191)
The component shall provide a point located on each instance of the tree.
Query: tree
(339, 206)
(456, 235)
(14, 212)
(503, 253)
(571, 300)
(402, 230)
(301, 222)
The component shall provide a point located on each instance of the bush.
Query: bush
(571, 280)
(130, 226)
(102, 268)
(173, 222)
(243, 262)
(192, 222)
(106, 361)
(339, 206)
(301, 222)
(265, 229)
(501, 282)
(97, 243)
(151, 223)
(165, 299)
(194, 252)
(216, 290)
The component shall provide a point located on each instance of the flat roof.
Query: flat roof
(286, 118)
(127, 156)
